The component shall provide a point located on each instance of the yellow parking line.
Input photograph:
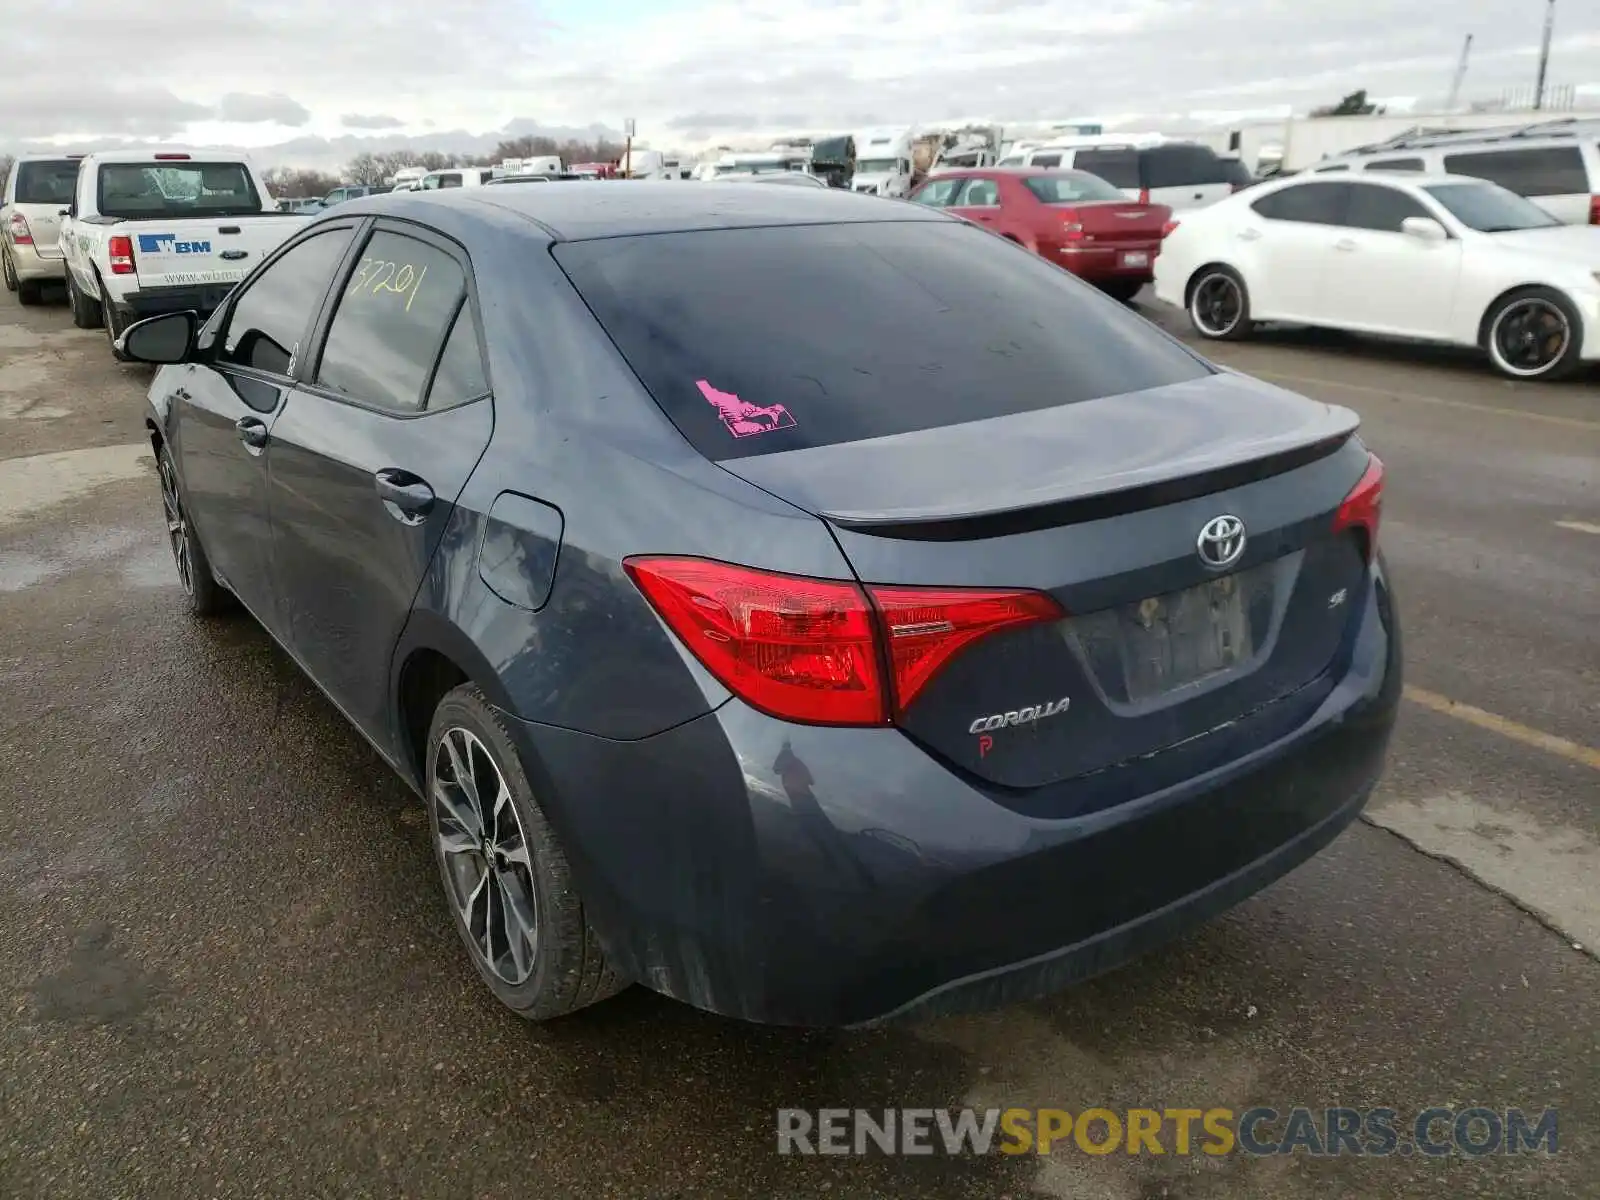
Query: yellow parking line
(1389, 393)
(1578, 526)
(1572, 751)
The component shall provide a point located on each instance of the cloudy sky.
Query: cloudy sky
(314, 81)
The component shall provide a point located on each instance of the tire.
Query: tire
(563, 968)
(204, 596)
(113, 326)
(85, 312)
(8, 271)
(1122, 289)
(1521, 332)
(1232, 322)
(30, 292)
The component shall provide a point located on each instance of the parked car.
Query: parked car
(810, 653)
(352, 191)
(300, 204)
(39, 186)
(1073, 219)
(1556, 164)
(548, 177)
(789, 178)
(160, 231)
(454, 177)
(1148, 167)
(1439, 257)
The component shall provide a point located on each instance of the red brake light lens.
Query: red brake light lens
(120, 251)
(1363, 507)
(21, 235)
(927, 627)
(800, 649)
(813, 650)
(1594, 210)
(1144, 195)
(1166, 230)
(170, 157)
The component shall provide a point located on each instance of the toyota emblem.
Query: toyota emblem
(1221, 541)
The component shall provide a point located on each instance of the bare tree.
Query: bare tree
(6, 162)
(368, 169)
(288, 182)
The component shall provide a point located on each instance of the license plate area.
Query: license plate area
(1151, 648)
(1136, 258)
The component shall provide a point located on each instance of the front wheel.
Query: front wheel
(1219, 305)
(505, 875)
(1534, 333)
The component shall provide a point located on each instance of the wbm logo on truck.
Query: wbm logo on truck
(168, 243)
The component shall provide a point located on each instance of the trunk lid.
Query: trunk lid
(1119, 223)
(193, 251)
(1102, 504)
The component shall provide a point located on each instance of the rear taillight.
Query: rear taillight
(1144, 195)
(1594, 210)
(170, 157)
(1071, 226)
(120, 251)
(18, 231)
(816, 650)
(1363, 507)
(1166, 230)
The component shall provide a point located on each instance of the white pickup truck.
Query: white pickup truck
(155, 232)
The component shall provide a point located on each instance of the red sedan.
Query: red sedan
(1074, 219)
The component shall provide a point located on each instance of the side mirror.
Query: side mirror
(1424, 229)
(168, 338)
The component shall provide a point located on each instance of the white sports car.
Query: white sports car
(1439, 257)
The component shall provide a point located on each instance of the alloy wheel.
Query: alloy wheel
(488, 865)
(1529, 336)
(1216, 305)
(177, 526)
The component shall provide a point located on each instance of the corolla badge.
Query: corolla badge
(1020, 716)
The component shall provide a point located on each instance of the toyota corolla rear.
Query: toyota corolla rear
(1105, 647)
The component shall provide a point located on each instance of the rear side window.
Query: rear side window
(978, 193)
(1551, 171)
(1309, 203)
(271, 314)
(938, 192)
(391, 322)
(1181, 165)
(1119, 166)
(1046, 160)
(1373, 206)
(1395, 164)
(41, 182)
(761, 340)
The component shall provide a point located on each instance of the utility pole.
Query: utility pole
(1461, 73)
(1544, 53)
(627, 149)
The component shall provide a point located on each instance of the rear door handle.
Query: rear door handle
(408, 498)
(1249, 235)
(1344, 244)
(252, 432)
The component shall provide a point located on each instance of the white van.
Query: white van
(1146, 167)
(1556, 164)
(454, 177)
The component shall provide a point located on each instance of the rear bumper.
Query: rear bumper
(1107, 263)
(796, 875)
(33, 263)
(151, 302)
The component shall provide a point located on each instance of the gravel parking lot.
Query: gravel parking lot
(229, 970)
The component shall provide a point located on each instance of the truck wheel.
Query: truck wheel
(8, 270)
(85, 312)
(113, 326)
(29, 291)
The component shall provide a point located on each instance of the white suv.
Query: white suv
(38, 188)
(1556, 164)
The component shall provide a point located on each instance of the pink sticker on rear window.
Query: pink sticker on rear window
(745, 420)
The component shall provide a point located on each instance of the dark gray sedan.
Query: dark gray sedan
(814, 609)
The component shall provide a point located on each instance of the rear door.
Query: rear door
(388, 417)
(42, 188)
(1183, 175)
(978, 201)
(980, 421)
(1553, 177)
(1286, 239)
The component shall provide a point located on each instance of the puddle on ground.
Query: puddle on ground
(141, 558)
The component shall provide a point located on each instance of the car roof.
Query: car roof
(63, 156)
(625, 208)
(170, 153)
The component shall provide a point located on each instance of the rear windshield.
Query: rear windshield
(1070, 187)
(176, 189)
(46, 182)
(1118, 166)
(760, 340)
